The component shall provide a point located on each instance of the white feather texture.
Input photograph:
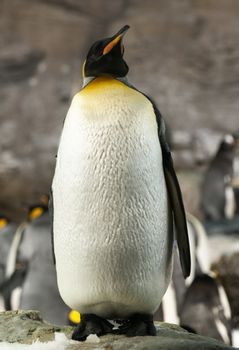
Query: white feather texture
(112, 236)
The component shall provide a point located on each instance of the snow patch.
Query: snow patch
(92, 338)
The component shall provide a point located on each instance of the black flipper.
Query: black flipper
(175, 197)
(51, 213)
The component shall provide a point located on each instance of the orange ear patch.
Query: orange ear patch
(35, 213)
(3, 223)
(110, 46)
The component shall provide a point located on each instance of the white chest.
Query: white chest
(110, 204)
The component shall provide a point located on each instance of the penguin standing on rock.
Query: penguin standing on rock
(217, 192)
(116, 199)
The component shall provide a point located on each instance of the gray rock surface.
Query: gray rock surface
(182, 53)
(27, 326)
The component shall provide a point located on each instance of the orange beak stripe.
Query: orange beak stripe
(110, 46)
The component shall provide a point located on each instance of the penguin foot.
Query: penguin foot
(138, 325)
(91, 324)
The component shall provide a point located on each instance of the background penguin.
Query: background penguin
(202, 290)
(7, 231)
(12, 286)
(15, 271)
(217, 193)
(114, 193)
(235, 177)
(206, 309)
(39, 289)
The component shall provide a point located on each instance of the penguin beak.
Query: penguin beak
(115, 39)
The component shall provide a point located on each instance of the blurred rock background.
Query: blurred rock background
(184, 54)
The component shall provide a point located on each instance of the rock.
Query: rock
(27, 326)
(36, 94)
(18, 63)
(93, 8)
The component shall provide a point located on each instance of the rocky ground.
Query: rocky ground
(182, 53)
(26, 327)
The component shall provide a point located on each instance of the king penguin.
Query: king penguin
(39, 288)
(7, 232)
(115, 200)
(217, 190)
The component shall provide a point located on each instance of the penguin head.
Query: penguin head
(105, 57)
(228, 140)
